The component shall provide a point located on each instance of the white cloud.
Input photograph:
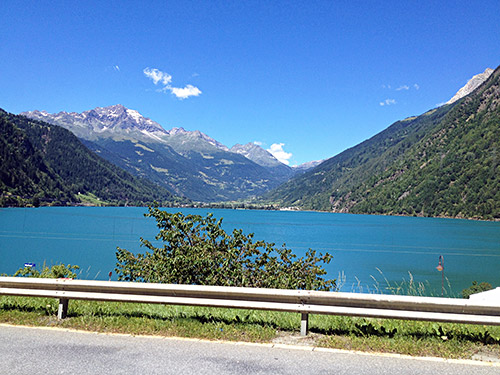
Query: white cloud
(258, 143)
(165, 79)
(404, 87)
(388, 102)
(186, 92)
(158, 76)
(277, 151)
(116, 68)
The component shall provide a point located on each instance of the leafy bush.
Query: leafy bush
(476, 288)
(55, 272)
(197, 250)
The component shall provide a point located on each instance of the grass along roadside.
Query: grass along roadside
(372, 335)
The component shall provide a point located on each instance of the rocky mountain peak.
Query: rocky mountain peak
(175, 131)
(307, 165)
(122, 117)
(257, 154)
(211, 140)
(471, 85)
(113, 110)
(195, 136)
(97, 122)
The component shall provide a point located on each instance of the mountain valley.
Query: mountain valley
(187, 163)
(444, 162)
(441, 163)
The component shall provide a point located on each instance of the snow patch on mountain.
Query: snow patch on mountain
(471, 85)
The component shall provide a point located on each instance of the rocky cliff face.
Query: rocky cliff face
(471, 85)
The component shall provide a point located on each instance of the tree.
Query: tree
(196, 250)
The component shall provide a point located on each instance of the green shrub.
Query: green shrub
(197, 250)
(55, 272)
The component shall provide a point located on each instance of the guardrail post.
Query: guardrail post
(304, 324)
(62, 312)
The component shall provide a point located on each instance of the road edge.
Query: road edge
(470, 362)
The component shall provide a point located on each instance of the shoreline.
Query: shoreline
(262, 208)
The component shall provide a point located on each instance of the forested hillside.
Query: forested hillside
(442, 163)
(313, 189)
(24, 175)
(46, 164)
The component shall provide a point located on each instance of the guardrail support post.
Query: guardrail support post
(304, 324)
(62, 312)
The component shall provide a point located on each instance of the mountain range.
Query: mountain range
(441, 163)
(46, 164)
(187, 163)
(444, 162)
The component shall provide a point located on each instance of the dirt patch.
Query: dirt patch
(312, 339)
(487, 355)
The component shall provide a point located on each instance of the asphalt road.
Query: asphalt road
(49, 351)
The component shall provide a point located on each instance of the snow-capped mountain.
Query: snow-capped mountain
(104, 122)
(471, 85)
(189, 163)
(120, 123)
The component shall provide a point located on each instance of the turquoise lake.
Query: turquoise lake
(366, 249)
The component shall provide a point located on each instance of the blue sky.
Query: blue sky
(315, 76)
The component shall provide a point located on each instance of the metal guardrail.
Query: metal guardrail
(301, 301)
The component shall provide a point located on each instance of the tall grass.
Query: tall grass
(407, 287)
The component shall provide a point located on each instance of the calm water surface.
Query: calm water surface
(366, 249)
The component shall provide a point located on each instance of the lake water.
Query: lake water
(361, 245)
